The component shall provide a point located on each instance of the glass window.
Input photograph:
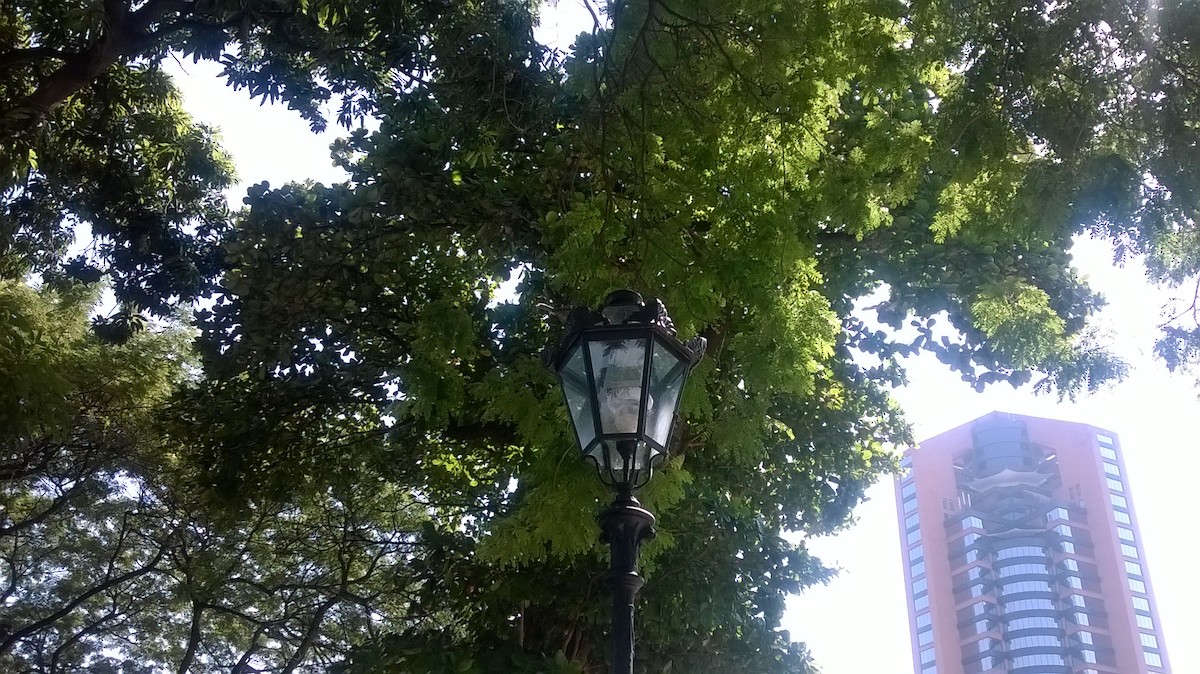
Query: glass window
(1081, 618)
(985, 644)
(909, 490)
(972, 522)
(925, 638)
(906, 462)
(924, 620)
(1022, 569)
(1122, 517)
(910, 505)
(1149, 640)
(1137, 585)
(1020, 551)
(1118, 501)
(1153, 659)
(1112, 469)
(970, 539)
(1088, 655)
(1129, 551)
(1074, 582)
(1108, 453)
(972, 555)
(915, 553)
(1077, 600)
(1084, 637)
(1115, 485)
(914, 536)
(1037, 659)
(1125, 534)
(1063, 530)
(921, 603)
(1105, 440)
(926, 656)
(1141, 604)
(1025, 586)
(920, 586)
(1058, 514)
(911, 521)
(1133, 568)
(1067, 547)
(1070, 565)
(1032, 622)
(918, 568)
(1016, 606)
(1144, 621)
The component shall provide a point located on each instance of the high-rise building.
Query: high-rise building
(1022, 553)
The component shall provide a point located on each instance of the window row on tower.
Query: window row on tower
(1135, 576)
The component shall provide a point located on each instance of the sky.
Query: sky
(858, 623)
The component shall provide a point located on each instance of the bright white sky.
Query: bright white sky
(857, 624)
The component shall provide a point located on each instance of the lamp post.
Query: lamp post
(622, 371)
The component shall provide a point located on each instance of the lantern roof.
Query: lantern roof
(623, 309)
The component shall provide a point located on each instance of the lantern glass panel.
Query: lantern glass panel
(618, 366)
(668, 372)
(625, 463)
(649, 457)
(598, 454)
(579, 400)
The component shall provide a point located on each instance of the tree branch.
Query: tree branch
(243, 663)
(194, 635)
(37, 625)
(124, 34)
(310, 635)
(54, 507)
(14, 57)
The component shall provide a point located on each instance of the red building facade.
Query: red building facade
(1022, 553)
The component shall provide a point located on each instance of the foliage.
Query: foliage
(109, 562)
(94, 134)
(1095, 103)
(370, 351)
(742, 164)
(123, 162)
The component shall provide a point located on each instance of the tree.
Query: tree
(1098, 104)
(75, 418)
(105, 147)
(763, 168)
(94, 133)
(108, 561)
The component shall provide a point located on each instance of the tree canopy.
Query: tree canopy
(361, 463)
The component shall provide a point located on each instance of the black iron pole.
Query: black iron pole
(625, 524)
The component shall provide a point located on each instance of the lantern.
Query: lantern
(623, 371)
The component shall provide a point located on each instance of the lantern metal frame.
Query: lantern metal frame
(624, 316)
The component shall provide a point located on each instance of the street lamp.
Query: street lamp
(622, 371)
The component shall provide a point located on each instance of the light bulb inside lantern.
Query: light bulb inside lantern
(620, 383)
